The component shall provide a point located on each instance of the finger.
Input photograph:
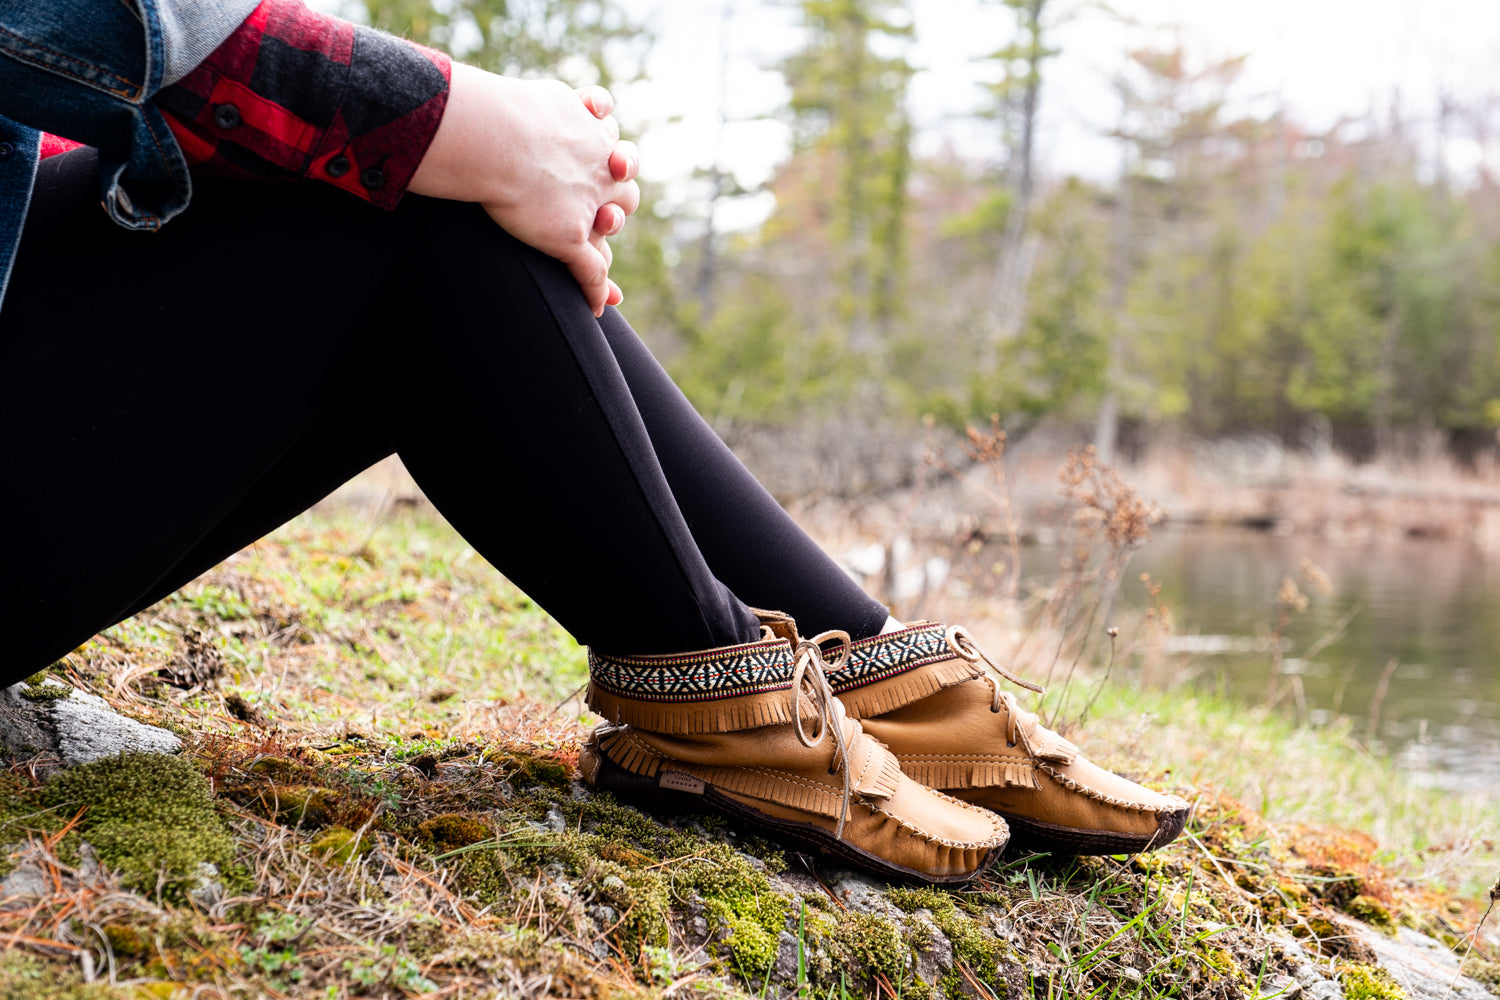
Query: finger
(611, 128)
(605, 250)
(591, 271)
(610, 219)
(597, 100)
(627, 197)
(615, 296)
(624, 161)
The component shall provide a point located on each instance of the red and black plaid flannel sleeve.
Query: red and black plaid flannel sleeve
(293, 93)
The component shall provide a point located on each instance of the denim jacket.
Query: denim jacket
(87, 70)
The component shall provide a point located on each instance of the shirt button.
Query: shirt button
(227, 116)
(372, 178)
(6, 149)
(337, 167)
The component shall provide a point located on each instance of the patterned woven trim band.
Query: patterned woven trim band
(882, 656)
(730, 672)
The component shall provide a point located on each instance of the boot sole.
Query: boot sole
(806, 837)
(1035, 835)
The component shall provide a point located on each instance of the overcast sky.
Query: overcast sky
(1322, 59)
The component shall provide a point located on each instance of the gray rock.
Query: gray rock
(88, 729)
(1280, 988)
(77, 728)
(25, 883)
(785, 969)
(207, 890)
(861, 893)
(1303, 963)
(1423, 967)
(554, 822)
(1325, 990)
(935, 956)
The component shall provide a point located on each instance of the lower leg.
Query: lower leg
(133, 474)
(750, 542)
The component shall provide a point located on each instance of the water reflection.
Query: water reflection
(1420, 614)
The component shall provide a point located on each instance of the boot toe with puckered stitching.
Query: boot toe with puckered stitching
(755, 733)
(922, 692)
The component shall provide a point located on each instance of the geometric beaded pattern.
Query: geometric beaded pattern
(882, 656)
(706, 676)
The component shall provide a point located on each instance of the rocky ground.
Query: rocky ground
(375, 795)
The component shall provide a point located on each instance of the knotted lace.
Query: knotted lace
(964, 646)
(809, 680)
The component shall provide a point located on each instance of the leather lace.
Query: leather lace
(810, 680)
(963, 645)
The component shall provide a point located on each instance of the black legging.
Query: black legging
(166, 399)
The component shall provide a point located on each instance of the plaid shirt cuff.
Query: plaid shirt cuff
(296, 94)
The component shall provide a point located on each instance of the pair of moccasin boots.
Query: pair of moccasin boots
(899, 753)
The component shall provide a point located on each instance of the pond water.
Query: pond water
(1424, 616)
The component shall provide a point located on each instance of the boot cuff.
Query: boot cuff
(714, 691)
(887, 672)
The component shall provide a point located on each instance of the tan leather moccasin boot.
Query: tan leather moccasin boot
(923, 692)
(754, 732)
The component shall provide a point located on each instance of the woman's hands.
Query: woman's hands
(545, 161)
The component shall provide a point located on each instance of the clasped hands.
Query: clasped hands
(545, 161)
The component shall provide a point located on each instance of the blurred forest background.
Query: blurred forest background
(1239, 274)
(1262, 322)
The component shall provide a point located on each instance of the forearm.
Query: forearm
(294, 94)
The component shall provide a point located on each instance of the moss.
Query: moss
(755, 921)
(530, 767)
(872, 946)
(972, 944)
(917, 989)
(1222, 964)
(1369, 982)
(297, 805)
(1372, 912)
(753, 947)
(127, 941)
(149, 816)
(450, 831)
(281, 770)
(339, 845)
(36, 688)
(1487, 973)
(24, 977)
(914, 898)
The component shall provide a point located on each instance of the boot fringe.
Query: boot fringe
(686, 718)
(630, 753)
(949, 773)
(884, 784)
(1055, 749)
(725, 715)
(914, 684)
(765, 784)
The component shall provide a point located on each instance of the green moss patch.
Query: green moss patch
(151, 817)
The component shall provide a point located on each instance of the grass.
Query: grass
(383, 739)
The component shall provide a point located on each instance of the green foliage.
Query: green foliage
(1059, 360)
(754, 362)
(849, 113)
(1369, 982)
(149, 816)
(580, 41)
(36, 688)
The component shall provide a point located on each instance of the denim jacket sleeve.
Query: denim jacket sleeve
(87, 69)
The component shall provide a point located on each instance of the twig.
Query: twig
(1380, 691)
(1458, 973)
